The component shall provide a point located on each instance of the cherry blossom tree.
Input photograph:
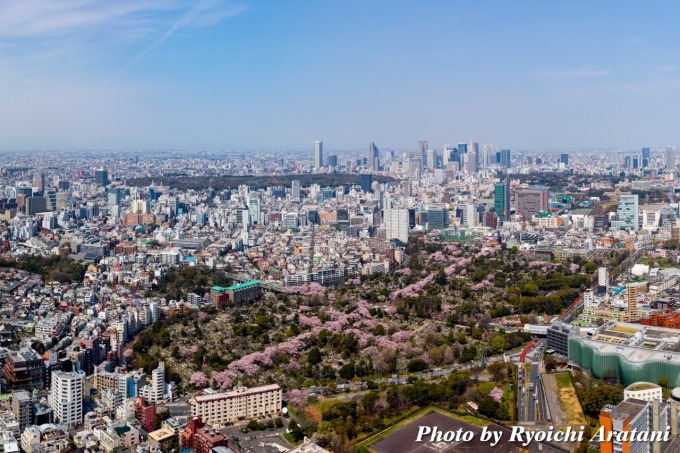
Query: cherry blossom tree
(224, 379)
(297, 398)
(198, 379)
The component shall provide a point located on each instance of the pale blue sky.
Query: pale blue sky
(279, 74)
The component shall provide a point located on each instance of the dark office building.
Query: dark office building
(101, 177)
(279, 192)
(313, 217)
(646, 153)
(437, 219)
(564, 158)
(501, 204)
(503, 158)
(332, 161)
(558, 339)
(367, 183)
(23, 370)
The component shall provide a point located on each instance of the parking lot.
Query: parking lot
(257, 441)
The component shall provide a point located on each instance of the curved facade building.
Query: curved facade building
(631, 364)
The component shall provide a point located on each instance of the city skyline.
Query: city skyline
(259, 74)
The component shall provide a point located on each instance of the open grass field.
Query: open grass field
(568, 400)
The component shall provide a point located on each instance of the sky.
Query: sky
(279, 74)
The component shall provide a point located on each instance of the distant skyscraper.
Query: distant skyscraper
(627, 212)
(318, 154)
(488, 156)
(39, 181)
(645, 157)
(431, 159)
(670, 157)
(503, 158)
(255, 208)
(295, 189)
(101, 177)
(332, 161)
(645, 153)
(473, 161)
(367, 183)
(447, 156)
(564, 158)
(422, 152)
(373, 157)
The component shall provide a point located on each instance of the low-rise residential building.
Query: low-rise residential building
(240, 403)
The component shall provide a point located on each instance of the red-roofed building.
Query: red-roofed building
(207, 438)
(189, 432)
(144, 414)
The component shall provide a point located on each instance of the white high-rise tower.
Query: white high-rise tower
(318, 154)
(66, 398)
(603, 277)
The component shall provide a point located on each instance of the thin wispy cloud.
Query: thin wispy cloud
(49, 18)
(86, 39)
(203, 9)
(574, 73)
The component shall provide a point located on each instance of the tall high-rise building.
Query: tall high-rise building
(670, 157)
(447, 156)
(431, 158)
(39, 181)
(396, 224)
(503, 158)
(101, 177)
(66, 398)
(564, 158)
(473, 161)
(463, 155)
(603, 277)
(502, 199)
(367, 183)
(632, 296)
(332, 161)
(295, 189)
(255, 209)
(373, 157)
(422, 152)
(318, 154)
(645, 157)
(488, 156)
(628, 212)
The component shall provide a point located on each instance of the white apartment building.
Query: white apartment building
(396, 224)
(603, 277)
(240, 403)
(66, 398)
(157, 390)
